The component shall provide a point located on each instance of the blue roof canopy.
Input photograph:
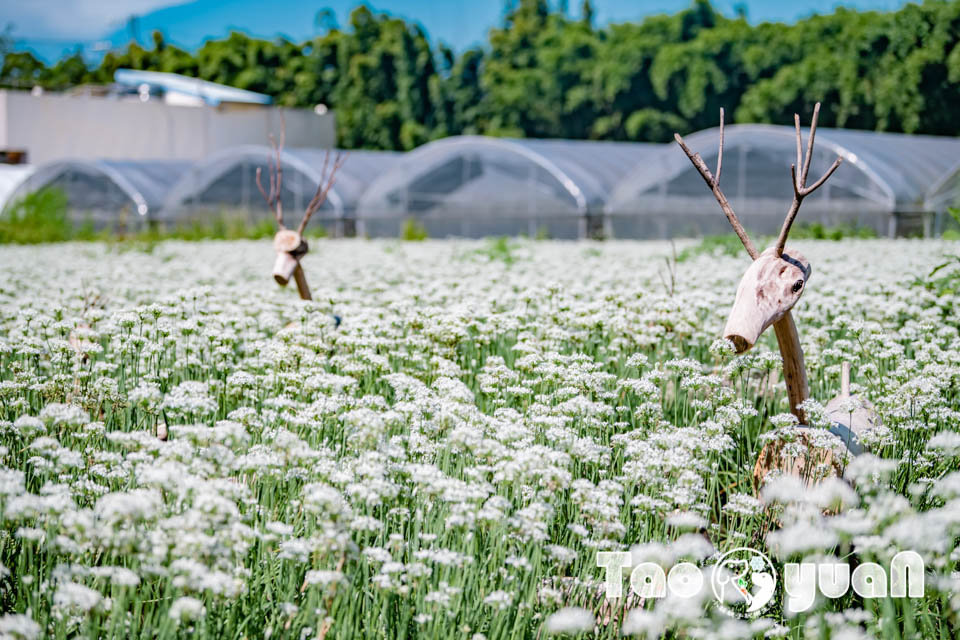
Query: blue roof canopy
(211, 92)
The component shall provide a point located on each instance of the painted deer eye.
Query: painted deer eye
(797, 285)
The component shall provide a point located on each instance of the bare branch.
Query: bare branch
(813, 133)
(276, 178)
(319, 197)
(267, 198)
(720, 153)
(327, 180)
(274, 198)
(798, 176)
(323, 174)
(260, 186)
(713, 184)
(816, 185)
(799, 165)
(273, 179)
(279, 152)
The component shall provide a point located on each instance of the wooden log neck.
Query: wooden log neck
(301, 279)
(794, 372)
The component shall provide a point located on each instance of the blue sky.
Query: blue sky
(54, 27)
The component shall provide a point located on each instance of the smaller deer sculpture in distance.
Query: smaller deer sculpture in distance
(289, 243)
(777, 277)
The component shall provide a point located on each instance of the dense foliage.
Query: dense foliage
(545, 74)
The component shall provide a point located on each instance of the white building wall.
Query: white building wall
(55, 126)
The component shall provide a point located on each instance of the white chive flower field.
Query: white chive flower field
(188, 450)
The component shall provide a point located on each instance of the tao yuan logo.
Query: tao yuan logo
(743, 581)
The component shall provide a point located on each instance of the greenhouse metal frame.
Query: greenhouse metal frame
(477, 186)
(882, 184)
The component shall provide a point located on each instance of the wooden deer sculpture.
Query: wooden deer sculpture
(773, 283)
(289, 244)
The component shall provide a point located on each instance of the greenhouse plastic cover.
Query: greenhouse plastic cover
(476, 175)
(882, 173)
(101, 187)
(228, 179)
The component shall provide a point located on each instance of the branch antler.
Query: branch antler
(714, 184)
(289, 244)
(800, 188)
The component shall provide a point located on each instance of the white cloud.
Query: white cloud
(80, 19)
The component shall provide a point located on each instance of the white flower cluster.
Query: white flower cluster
(186, 448)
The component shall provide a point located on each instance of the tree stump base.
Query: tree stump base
(808, 453)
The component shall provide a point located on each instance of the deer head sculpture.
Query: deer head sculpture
(288, 243)
(777, 277)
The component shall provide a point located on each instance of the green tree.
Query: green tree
(382, 90)
(21, 70)
(538, 74)
(456, 93)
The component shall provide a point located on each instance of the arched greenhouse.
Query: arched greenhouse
(476, 186)
(225, 184)
(107, 194)
(882, 184)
